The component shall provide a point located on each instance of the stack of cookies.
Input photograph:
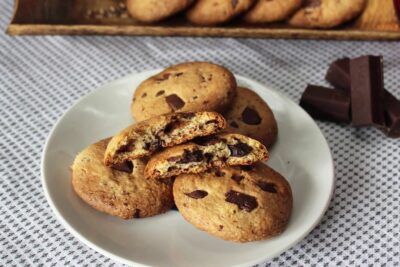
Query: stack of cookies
(198, 144)
(298, 13)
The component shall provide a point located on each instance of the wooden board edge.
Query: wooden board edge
(46, 29)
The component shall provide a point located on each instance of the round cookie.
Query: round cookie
(326, 13)
(251, 116)
(213, 12)
(123, 194)
(239, 205)
(193, 86)
(150, 11)
(266, 11)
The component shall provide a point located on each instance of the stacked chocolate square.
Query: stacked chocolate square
(358, 96)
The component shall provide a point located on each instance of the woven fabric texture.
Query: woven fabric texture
(40, 77)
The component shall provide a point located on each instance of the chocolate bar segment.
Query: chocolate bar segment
(367, 93)
(339, 74)
(392, 115)
(326, 104)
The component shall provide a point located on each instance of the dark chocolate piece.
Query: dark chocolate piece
(392, 115)
(367, 92)
(326, 104)
(243, 201)
(197, 194)
(240, 149)
(175, 102)
(191, 156)
(237, 178)
(339, 74)
(123, 167)
(267, 187)
(251, 116)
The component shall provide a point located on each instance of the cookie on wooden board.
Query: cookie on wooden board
(213, 12)
(150, 11)
(266, 11)
(326, 13)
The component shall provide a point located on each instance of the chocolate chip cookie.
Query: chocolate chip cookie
(252, 117)
(235, 204)
(145, 137)
(123, 194)
(204, 153)
(150, 11)
(265, 11)
(213, 12)
(326, 13)
(194, 86)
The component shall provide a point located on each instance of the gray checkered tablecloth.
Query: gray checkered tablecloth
(40, 77)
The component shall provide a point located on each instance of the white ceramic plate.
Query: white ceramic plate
(301, 155)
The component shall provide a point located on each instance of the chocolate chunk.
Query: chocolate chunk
(209, 157)
(144, 95)
(367, 92)
(339, 74)
(172, 125)
(234, 124)
(326, 104)
(234, 3)
(250, 116)
(247, 167)
(191, 156)
(160, 93)
(175, 102)
(173, 159)
(162, 77)
(178, 74)
(243, 201)
(123, 167)
(220, 227)
(197, 194)
(207, 140)
(237, 178)
(219, 173)
(267, 187)
(137, 213)
(240, 149)
(392, 115)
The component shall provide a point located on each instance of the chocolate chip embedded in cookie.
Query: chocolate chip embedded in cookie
(126, 194)
(216, 151)
(212, 12)
(251, 116)
(155, 10)
(240, 205)
(194, 86)
(326, 13)
(266, 11)
(144, 138)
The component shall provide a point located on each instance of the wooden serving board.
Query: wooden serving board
(107, 17)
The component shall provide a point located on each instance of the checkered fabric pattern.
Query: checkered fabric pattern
(40, 77)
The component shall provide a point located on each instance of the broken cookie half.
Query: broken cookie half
(144, 138)
(204, 153)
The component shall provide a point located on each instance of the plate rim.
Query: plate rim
(117, 258)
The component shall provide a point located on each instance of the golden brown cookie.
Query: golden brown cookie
(150, 11)
(251, 116)
(122, 194)
(213, 12)
(193, 86)
(326, 13)
(266, 11)
(205, 153)
(235, 204)
(145, 137)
